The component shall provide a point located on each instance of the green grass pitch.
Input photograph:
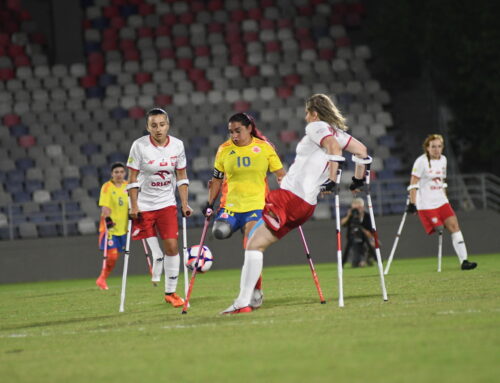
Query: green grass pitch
(436, 327)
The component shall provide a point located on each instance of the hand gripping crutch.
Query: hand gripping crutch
(184, 254)
(311, 265)
(146, 253)
(339, 160)
(367, 162)
(396, 240)
(195, 268)
(125, 266)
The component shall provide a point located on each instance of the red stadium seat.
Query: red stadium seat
(20, 61)
(96, 68)
(326, 54)
(250, 71)
(136, 113)
(163, 30)
(163, 99)
(273, 46)
(110, 11)
(132, 55)
(239, 60)
(306, 10)
(292, 80)
(255, 14)
(6, 74)
(203, 86)
(266, 24)
(16, 50)
(238, 15)
(167, 53)
(241, 106)
(145, 32)
(185, 63)
(169, 19)
(146, 9)
(288, 136)
(202, 51)
(343, 41)
(186, 18)
(196, 74)
(117, 22)
(11, 119)
(142, 78)
(215, 28)
(26, 141)
(284, 23)
(250, 36)
(181, 41)
(284, 91)
(88, 81)
(215, 5)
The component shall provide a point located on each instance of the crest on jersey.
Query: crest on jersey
(162, 173)
(256, 149)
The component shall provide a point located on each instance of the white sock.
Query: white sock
(250, 273)
(171, 264)
(459, 245)
(157, 255)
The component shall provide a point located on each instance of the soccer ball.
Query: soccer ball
(205, 261)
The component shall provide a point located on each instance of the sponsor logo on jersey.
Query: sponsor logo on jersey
(173, 160)
(151, 162)
(256, 149)
(162, 173)
(232, 152)
(160, 183)
(130, 160)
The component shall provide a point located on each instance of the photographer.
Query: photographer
(359, 237)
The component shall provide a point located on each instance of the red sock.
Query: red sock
(111, 259)
(258, 285)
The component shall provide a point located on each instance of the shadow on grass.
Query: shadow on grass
(56, 322)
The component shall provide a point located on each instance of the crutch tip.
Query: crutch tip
(184, 312)
(323, 302)
(386, 300)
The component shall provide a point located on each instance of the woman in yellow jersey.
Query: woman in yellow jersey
(114, 217)
(240, 170)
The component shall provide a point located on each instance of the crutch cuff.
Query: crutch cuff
(411, 187)
(362, 161)
(335, 158)
(184, 181)
(133, 185)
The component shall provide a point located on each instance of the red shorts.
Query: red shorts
(431, 218)
(288, 209)
(162, 223)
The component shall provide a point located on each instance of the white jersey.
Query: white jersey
(156, 166)
(310, 168)
(430, 193)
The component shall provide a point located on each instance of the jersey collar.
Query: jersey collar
(155, 144)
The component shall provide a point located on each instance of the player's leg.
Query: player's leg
(260, 239)
(157, 255)
(168, 230)
(251, 220)
(224, 225)
(110, 261)
(457, 239)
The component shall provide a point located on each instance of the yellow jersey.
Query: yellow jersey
(116, 199)
(245, 169)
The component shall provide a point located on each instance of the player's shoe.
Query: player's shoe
(101, 283)
(174, 300)
(257, 299)
(466, 265)
(236, 310)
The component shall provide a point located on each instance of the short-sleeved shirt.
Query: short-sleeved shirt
(116, 199)
(310, 168)
(430, 193)
(157, 167)
(245, 169)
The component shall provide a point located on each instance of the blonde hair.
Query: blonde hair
(358, 201)
(326, 109)
(427, 141)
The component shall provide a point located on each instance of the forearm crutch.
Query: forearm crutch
(146, 253)
(367, 162)
(125, 266)
(440, 246)
(339, 160)
(184, 254)
(311, 265)
(195, 268)
(396, 240)
(105, 252)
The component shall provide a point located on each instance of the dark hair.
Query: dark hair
(117, 165)
(247, 120)
(156, 112)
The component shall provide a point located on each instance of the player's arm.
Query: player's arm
(414, 180)
(279, 174)
(214, 187)
(345, 219)
(133, 192)
(182, 187)
(332, 149)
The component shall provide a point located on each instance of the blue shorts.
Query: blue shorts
(114, 242)
(238, 220)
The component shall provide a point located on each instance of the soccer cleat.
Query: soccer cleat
(466, 265)
(174, 300)
(257, 298)
(235, 310)
(101, 283)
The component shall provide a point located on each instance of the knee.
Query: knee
(439, 229)
(221, 230)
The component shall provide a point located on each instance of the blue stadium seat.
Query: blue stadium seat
(15, 175)
(17, 219)
(95, 92)
(54, 217)
(32, 185)
(48, 230)
(128, 10)
(107, 79)
(95, 192)
(119, 113)
(90, 148)
(51, 207)
(37, 217)
(25, 163)
(72, 206)
(60, 195)
(14, 187)
(70, 183)
(117, 157)
(100, 23)
(19, 130)
(4, 233)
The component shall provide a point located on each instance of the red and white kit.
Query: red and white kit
(156, 166)
(297, 197)
(430, 193)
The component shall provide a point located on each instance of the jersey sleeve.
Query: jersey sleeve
(318, 131)
(418, 168)
(135, 157)
(445, 170)
(105, 196)
(274, 160)
(181, 160)
(219, 159)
